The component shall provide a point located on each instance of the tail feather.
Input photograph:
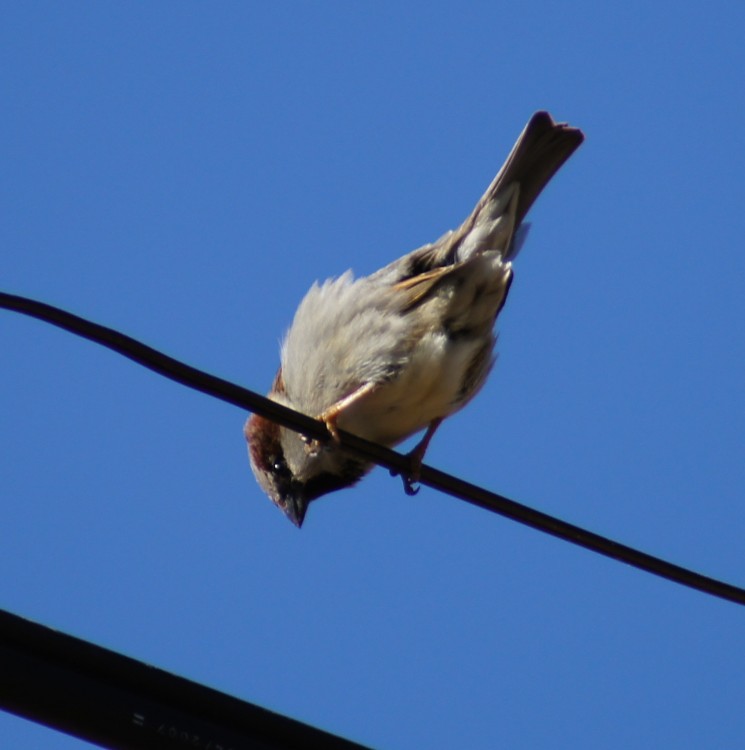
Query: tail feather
(494, 224)
(539, 152)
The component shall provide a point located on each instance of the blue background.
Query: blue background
(184, 171)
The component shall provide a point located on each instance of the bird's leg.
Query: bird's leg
(331, 415)
(416, 456)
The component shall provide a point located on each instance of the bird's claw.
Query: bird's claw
(410, 478)
(411, 486)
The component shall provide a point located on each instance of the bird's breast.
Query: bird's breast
(429, 386)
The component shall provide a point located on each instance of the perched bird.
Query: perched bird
(394, 353)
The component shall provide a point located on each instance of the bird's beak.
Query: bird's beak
(295, 508)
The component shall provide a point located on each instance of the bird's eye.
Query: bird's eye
(279, 465)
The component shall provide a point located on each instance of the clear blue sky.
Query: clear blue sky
(184, 171)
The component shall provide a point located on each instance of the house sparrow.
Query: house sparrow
(394, 353)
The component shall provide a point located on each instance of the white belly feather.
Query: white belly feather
(427, 388)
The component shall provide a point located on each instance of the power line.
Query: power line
(117, 702)
(246, 399)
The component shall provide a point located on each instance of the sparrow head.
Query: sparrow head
(292, 470)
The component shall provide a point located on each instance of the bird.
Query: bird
(392, 354)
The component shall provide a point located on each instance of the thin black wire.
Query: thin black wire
(242, 397)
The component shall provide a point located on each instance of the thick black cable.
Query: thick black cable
(117, 702)
(242, 397)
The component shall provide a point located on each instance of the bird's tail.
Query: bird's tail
(495, 222)
(540, 151)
